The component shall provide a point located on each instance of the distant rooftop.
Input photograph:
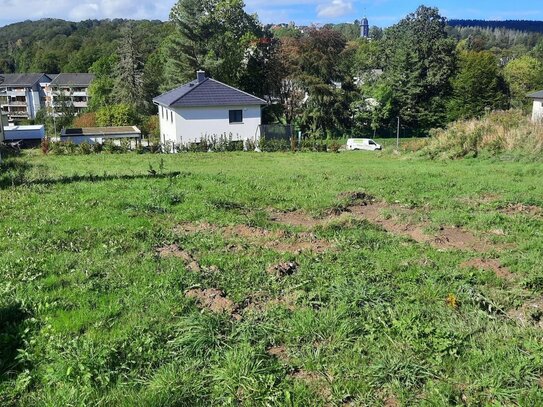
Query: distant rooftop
(206, 92)
(73, 79)
(101, 131)
(536, 95)
(23, 79)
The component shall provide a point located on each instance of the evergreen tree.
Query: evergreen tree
(128, 86)
(419, 61)
(478, 86)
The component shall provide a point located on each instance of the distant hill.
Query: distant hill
(53, 45)
(518, 25)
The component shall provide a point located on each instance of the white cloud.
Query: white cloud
(337, 8)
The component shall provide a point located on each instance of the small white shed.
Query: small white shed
(206, 108)
(537, 111)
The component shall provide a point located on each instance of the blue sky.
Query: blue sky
(380, 12)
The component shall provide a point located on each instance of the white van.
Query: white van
(363, 144)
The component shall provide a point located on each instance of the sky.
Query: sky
(382, 13)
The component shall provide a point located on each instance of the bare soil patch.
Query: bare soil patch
(316, 381)
(283, 269)
(491, 265)
(175, 251)
(522, 209)
(212, 299)
(296, 219)
(279, 352)
(531, 313)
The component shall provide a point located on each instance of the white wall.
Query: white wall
(191, 124)
(537, 113)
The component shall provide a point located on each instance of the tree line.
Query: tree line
(324, 80)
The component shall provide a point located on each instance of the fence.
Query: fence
(276, 131)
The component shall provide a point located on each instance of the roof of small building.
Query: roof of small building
(207, 92)
(73, 79)
(101, 131)
(536, 95)
(22, 79)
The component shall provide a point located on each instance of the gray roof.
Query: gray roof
(23, 79)
(209, 92)
(73, 79)
(101, 131)
(536, 95)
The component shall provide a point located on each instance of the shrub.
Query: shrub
(334, 146)
(498, 132)
(85, 148)
(45, 145)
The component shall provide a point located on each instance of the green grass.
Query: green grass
(89, 315)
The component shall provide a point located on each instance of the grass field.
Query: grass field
(270, 279)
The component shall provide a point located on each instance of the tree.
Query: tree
(101, 88)
(523, 75)
(213, 35)
(117, 115)
(128, 88)
(478, 86)
(419, 61)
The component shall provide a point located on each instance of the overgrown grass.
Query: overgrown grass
(498, 133)
(90, 315)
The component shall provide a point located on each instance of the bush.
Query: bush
(273, 145)
(85, 148)
(334, 146)
(45, 146)
(496, 133)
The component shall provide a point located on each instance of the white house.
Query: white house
(537, 112)
(207, 108)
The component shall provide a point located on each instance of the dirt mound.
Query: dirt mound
(279, 352)
(175, 251)
(356, 198)
(212, 299)
(530, 313)
(522, 209)
(457, 238)
(316, 381)
(296, 219)
(249, 232)
(283, 269)
(491, 265)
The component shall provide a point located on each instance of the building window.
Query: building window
(171, 116)
(236, 116)
(162, 111)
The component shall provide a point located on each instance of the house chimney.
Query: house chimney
(201, 76)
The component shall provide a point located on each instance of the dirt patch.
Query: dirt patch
(175, 251)
(283, 269)
(491, 265)
(457, 238)
(296, 219)
(279, 352)
(212, 299)
(316, 381)
(194, 227)
(531, 313)
(250, 233)
(522, 209)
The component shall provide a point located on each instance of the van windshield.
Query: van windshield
(371, 142)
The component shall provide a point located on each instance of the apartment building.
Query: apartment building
(23, 95)
(69, 89)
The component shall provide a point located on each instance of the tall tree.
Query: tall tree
(478, 86)
(419, 61)
(523, 75)
(214, 35)
(129, 70)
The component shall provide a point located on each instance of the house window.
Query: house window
(162, 111)
(236, 116)
(171, 116)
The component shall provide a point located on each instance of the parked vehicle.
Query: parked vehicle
(363, 144)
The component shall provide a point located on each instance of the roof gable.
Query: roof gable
(73, 79)
(208, 92)
(536, 95)
(24, 79)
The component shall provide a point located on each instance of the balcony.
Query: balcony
(16, 103)
(80, 105)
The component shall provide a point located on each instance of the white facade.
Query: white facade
(185, 125)
(537, 112)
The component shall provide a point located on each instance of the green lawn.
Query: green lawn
(91, 314)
